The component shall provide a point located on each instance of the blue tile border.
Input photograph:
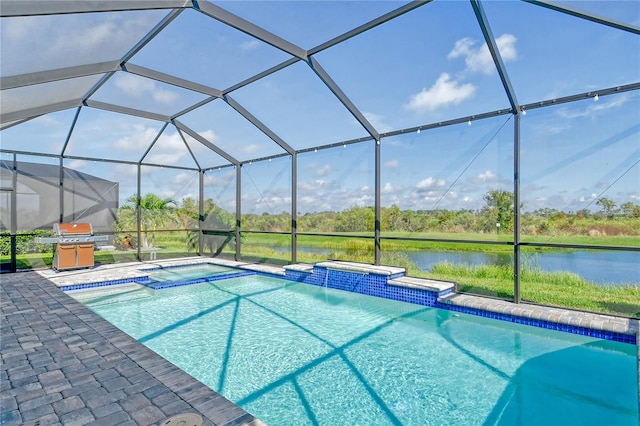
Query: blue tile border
(161, 285)
(160, 268)
(96, 284)
(370, 284)
(550, 325)
(376, 285)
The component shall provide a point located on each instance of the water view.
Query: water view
(598, 266)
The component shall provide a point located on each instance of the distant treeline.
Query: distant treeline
(498, 209)
(496, 216)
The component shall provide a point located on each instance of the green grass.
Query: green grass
(563, 289)
(548, 288)
(464, 244)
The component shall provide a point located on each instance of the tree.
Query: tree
(630, 210)
(156, 212)
(607, 205)
(498, 211)
(355, 219)
(188, 213)
(391, 218)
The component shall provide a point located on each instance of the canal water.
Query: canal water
(597, 266)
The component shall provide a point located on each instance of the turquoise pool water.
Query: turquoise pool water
(188, 273)
(296, 354)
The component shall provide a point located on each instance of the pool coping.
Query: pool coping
(564, 316)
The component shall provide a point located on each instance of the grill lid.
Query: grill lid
(72, 229)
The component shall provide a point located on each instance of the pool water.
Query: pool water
(189, 273)
(292, 353)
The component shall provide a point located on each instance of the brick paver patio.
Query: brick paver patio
(63, 364)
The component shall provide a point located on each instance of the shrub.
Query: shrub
(25, 243)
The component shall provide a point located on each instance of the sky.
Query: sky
(424, 67)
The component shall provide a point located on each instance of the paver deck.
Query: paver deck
(64, 364)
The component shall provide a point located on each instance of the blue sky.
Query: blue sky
(427, 66)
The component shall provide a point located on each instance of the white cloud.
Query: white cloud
(220, 180)
(315, 185)
(392, 164)
(138, 139)
(583, 199)
(592, 109)
(139, 87)
(430, 184)
(18, 29)
(485, 177)
(196, 146)
(96, 35)
(387, 188)
(478, 59)
(444, 92)
(47, 120)
(377, 121)
(251, 148)
(181, 178)
(324, 170)
(249, 45)
(307, 200)
(209, 135)
(76, 164)
(164, 96)
(126, 170)
(163, 158)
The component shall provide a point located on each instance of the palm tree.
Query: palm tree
(155, 212)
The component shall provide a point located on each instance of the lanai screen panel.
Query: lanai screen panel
(39, 43)
(226, 128)
(338, 179)
(420, 68)
(37, 191)
(442, 174)
(144, 94)
(299, 107)
(309, 24)
(44, 134)
(100, 134)
(200, 49)
(89, 199)
(266, 188)
(581, 158)
(14, 101)
(561, 55)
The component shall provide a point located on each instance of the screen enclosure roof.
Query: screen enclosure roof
(231, 82)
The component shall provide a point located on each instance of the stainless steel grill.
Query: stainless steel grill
(74, 245)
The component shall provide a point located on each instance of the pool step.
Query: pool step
(362, 268)
(98, 296)
(442, 287)
(261, 267)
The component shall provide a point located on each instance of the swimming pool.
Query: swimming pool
(292, 353)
